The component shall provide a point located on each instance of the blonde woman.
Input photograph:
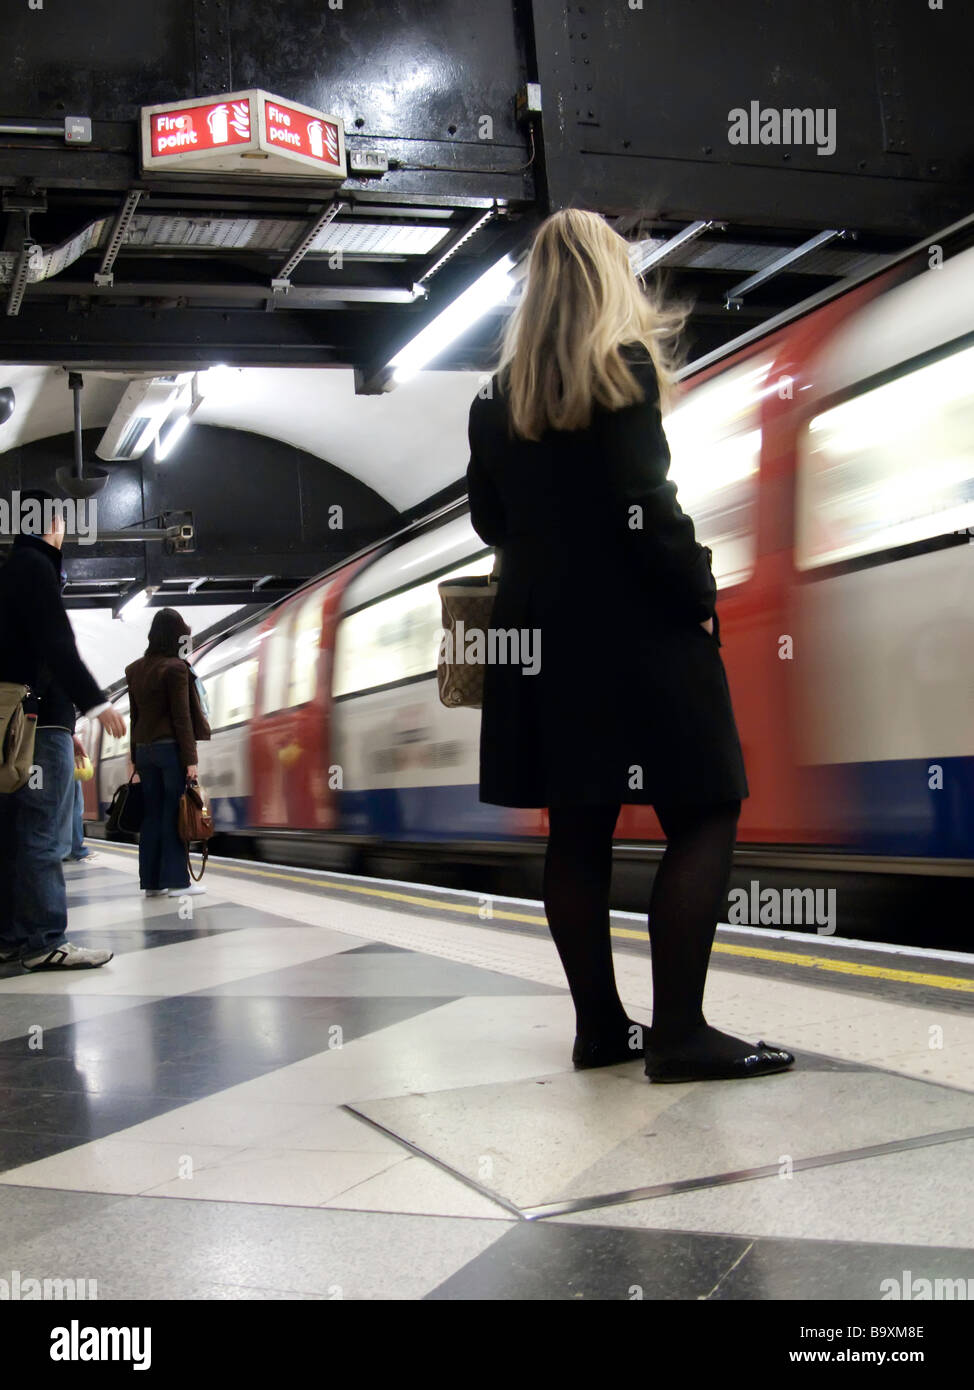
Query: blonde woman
(568, 479)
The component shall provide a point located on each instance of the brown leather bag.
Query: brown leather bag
(195, 824)
(466, 603)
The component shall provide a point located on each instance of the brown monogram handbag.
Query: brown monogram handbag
(195, 824)
(467, 603)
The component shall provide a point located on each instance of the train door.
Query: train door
(289, 789)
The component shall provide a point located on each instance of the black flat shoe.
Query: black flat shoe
(609, 1051)
(763, 1061)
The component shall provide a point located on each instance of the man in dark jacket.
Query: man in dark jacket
(38, 649)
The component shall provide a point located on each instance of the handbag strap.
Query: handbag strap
(189, 863)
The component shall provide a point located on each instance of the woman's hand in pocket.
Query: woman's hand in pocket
(708, 626)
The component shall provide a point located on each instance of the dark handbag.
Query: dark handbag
(195, 824)
(467, 603)
(127, 811)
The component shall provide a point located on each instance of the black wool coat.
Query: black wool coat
(599, 565)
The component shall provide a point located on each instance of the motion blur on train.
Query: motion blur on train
(830, 468)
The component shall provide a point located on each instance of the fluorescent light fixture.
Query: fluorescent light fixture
(219, 375)
(167, 440)
(134, 601)
(491, 289)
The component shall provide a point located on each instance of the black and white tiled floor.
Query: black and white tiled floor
(276, 1091)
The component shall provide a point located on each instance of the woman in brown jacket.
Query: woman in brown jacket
(165, 721)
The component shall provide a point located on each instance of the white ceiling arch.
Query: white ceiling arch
(406, 444)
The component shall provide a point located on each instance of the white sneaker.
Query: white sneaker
(67, 956)
(156, 892)
(193, 891)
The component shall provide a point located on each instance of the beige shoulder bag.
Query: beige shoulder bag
(17, 729)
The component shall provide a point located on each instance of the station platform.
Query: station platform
(307, 1086)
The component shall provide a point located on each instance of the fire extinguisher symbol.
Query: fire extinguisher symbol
(217, 121)
(323, 141)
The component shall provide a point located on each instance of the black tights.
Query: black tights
(687, 895)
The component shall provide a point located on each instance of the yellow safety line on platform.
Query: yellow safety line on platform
(840, 967)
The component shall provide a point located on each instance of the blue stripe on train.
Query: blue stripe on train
(427, 813)
(920, 807)
(887, 808)
(230, 812)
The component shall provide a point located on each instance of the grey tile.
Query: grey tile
(21, 1013)
(918, 1196)
(352, 973)
(27, 1213)
(168, 1248)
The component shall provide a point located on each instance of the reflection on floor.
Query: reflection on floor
(273, 1092)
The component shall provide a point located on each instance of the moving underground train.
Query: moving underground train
(830, 468)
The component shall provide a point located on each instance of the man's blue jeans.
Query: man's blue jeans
(33, 901)
(73, 826)
(65, 811)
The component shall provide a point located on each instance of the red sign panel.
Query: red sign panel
(189, 129)
(300, 133)
(252, 134)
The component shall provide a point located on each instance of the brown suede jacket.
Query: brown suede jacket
(161, 697)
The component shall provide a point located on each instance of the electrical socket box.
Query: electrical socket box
(77, 130)
(367, 162)
(527, 103)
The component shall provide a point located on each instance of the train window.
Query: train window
(304, 654)
(213, 685)
(237, 694)
(715, 445)
(892, 466)
(277, 664)
(396, 637)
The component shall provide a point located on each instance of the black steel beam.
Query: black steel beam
(638, 102)
(182, 339)
(298, 296)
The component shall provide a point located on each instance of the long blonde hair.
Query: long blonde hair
(561, 348)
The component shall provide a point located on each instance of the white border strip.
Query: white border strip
(760, 933)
